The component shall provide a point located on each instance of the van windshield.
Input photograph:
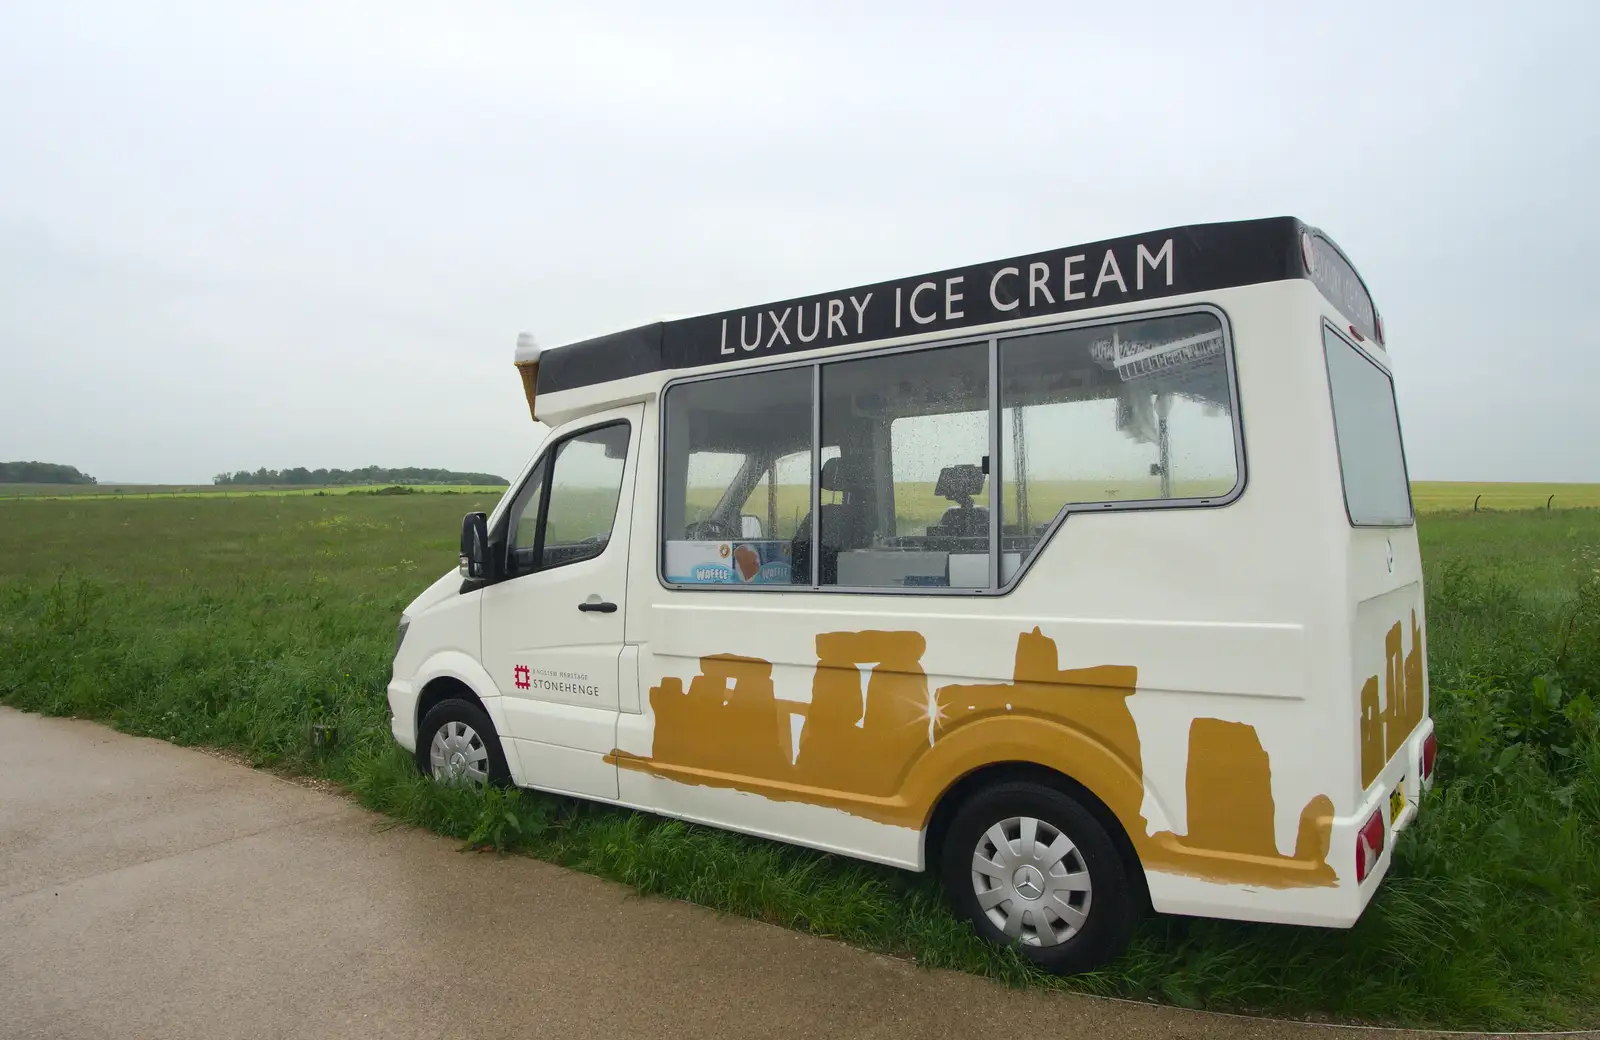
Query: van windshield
(1367, 428)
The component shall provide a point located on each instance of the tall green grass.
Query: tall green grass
(241, 624)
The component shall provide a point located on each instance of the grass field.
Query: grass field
(916, 501)
(130, 491)
(916, 505)
(1437, 496)
(238, 623)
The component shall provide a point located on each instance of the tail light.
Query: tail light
(1369, 845)
(1430, 754)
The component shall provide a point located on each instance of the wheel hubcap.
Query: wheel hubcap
(1028, 882)
(1031, 881)
(458, 755)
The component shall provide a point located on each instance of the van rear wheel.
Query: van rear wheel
(1030, 867)
(457, 744)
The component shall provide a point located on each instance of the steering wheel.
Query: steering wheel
(710, 530)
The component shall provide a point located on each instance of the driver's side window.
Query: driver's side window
(569, 505)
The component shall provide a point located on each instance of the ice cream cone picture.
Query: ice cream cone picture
(746, 562)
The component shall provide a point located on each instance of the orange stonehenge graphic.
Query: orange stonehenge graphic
(1384, 729)
(887, 749)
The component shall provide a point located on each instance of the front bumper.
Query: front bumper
(403, 713)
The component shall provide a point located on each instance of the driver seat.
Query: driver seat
(845, 525)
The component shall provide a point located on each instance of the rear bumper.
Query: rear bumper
(403, 713)
(1337, 906)
(1403, 774)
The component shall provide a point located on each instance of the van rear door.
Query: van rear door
(1385, 573)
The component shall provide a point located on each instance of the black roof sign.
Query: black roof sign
(1173, 262)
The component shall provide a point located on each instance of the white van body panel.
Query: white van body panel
(405, 694)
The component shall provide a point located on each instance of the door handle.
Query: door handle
(603, 608)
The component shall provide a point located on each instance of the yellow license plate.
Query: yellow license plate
(1397, 802)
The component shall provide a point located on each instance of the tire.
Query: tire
(1067, 905)
(468, 750)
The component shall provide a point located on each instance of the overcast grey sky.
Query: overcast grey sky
(307, 233)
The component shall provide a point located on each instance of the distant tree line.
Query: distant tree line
(44, 473)
(365, 475)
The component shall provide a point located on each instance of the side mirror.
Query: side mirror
(750, 527)
(475, 546)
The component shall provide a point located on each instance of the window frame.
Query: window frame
(536, 478)
(1338, 451)
(993, 340)
(541, 471)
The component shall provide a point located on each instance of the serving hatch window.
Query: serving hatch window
(907, 501)
(928, 475)
(1126, 413)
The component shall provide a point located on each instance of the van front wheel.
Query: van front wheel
(1033, 869)
(457, 744)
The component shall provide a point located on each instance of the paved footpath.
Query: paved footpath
(148, 890)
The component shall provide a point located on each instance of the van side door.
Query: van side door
(553, 626)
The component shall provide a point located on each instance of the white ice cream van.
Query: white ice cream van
(1087, 579)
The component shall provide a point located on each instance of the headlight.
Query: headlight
(400, 637)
